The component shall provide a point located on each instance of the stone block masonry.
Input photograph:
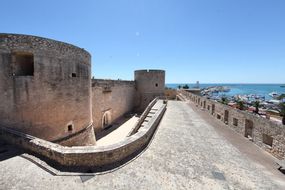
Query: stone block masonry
(46, 91)
(268, 135)
(86, 156)
(150, 84)
(111, 99)
(45, 87)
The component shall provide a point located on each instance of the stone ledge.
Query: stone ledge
(85, 156)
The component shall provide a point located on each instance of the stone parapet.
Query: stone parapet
(267, 134)
(85, 156)
(105, 82)
(43, 46)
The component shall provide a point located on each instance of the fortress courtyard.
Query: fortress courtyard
(189, 150)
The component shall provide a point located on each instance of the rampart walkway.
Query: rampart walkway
(186, 153)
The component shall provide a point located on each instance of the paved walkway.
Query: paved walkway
(186, 153)
(118, 134)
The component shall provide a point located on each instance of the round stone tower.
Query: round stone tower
(45, 89)
(150, 84)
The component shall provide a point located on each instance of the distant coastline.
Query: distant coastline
(239, 89)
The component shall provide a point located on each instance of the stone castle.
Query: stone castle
(46, 91)
(52, 107)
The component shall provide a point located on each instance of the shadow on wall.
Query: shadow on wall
(8, 151)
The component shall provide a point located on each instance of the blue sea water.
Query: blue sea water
(243, 89)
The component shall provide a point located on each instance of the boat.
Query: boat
(274, 94)
(276, 102)
(282, 86)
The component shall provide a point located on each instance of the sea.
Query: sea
(242, 89)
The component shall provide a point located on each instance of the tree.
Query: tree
(185, 86)
(282, 112)
(240, 105)
(224, 100)
(282, 96)
(256, 104)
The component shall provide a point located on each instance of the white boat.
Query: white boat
(273, 94)
(274, 102)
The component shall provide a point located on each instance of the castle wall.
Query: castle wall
(265, 133)
(81, 157)
(150, 84)
(45, 86)
(111, 99)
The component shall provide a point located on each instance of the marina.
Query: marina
(264, 100)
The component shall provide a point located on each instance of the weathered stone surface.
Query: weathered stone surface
(111, 99)
(55, 93)
(150, 84)
(86, 156)
(186, 153)
(239, 121)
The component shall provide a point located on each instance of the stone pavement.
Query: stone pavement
(185, 153)
(119, 133)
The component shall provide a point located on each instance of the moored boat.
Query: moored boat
(274, 94)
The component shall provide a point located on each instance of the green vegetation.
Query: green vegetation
(241, 105)
(224, 100)
(282, 96)
(256, 104)
(282, 112)
(185, 86)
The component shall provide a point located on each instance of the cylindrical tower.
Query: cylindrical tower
(45, 88)
(149, 84)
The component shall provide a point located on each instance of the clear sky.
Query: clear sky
(228, 41)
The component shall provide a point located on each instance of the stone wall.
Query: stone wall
(85, 137)
(45, 90)
(261, 131)
(111, 99)
(45, 86)
(150, 84)
(88, 156)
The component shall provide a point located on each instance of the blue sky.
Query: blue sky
(227, 41)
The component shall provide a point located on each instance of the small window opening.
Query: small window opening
(73, 74)
(218, 116)
(235, 121)
(23, 64)
(70, 128)
(248, 129)
(156, 84)
(213, 109)
(266, 139)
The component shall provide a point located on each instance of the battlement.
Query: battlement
(40, 45)
(111, 83)
(149, 71)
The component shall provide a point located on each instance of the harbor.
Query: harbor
(264, 105)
